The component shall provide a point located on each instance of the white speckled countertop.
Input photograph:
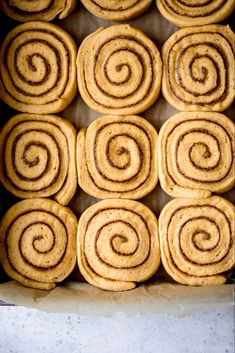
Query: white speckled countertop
(27, 330)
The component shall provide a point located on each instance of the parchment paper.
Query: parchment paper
(161, 294)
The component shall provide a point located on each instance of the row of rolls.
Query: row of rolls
(179, 12)
(118, 242)
(117, 156)
(118, 69)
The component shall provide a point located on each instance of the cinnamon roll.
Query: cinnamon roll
(37, 157)
(197, 240)
(196, 13)
(117, 157)
(117, 244)
(44, 10)
(38, 68)
(199, 70)
(116, 10)
(119, 70)
(196, 154)
(38, 243)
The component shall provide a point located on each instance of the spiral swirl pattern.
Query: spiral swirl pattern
(117, 157)
(38, 243)
(44, 10)
(37, 157)
(196, 13)
(197, 240)
(116, 10)
(199, 71)
(38, 68)
(196, 154)
(119, 70)
(117, 244)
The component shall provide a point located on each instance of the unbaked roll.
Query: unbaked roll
(196, 154)
(117, 244)
(38, 68)
(195, 13)
(45, 10)
(117, 157)
(197, 240)
(119, 70)
(116, 10)
(199, 70)
(37, 157)
(38, 243)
